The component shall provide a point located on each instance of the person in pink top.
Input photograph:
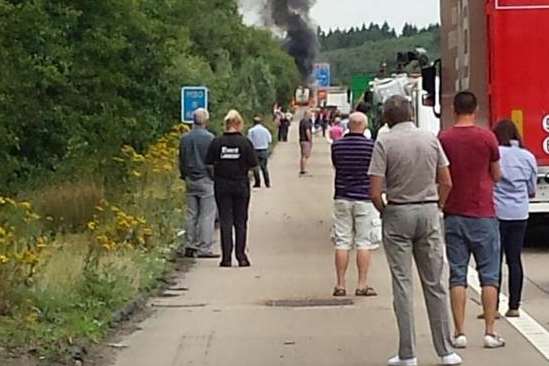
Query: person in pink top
(336, 132)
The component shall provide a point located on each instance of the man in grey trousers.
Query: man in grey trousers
(410, 163)
(201, 207)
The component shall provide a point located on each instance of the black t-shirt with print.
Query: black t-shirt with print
(232, 156)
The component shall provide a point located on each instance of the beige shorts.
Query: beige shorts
(356, 225)
(306, 148)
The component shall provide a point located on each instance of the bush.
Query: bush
(22, 244)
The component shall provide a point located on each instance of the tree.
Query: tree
(81, 78)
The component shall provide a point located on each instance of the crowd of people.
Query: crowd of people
(478, 180)
(426, 198)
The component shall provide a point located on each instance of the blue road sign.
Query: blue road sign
(322, 75)
(192, 98)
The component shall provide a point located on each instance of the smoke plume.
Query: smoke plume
(292, 17)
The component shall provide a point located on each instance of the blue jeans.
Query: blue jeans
(476, 236)
(263, 158)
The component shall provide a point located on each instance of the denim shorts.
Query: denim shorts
(476, 236)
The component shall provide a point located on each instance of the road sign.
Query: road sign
(192, 98)
(322, 75)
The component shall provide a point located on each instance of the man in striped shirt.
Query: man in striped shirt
(356, 221)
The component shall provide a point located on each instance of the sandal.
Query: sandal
(339, 292)
(368, 292)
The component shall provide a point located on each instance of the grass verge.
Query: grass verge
(74, 254)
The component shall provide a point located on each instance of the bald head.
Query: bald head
(358, 122)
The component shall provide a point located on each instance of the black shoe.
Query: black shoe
(190, 253)
(244, 263)
(208, 256)
(268, 185)
(225, 264)
(257, 186)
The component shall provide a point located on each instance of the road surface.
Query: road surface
(277, 313)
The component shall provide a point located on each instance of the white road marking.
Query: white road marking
(526, 325)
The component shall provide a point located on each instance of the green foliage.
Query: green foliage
(365, 59)
(81, 78)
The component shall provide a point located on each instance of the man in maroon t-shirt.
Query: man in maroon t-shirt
(470, 218)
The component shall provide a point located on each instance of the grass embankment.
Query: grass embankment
(72, 254)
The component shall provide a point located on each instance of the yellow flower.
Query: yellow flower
(3, 259)
(25, 205)
(136, 173)
(10, 201)
(92, 225)
(138, 158)
(33, 216)
(147, 232)
(2, 200)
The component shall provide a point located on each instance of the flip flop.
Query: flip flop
(367, 292)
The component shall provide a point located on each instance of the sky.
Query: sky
(347, 13)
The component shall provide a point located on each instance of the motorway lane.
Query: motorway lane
(226, 318)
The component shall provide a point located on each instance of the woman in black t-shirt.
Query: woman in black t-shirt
(232, 156)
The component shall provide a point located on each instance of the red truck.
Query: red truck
(499, 49)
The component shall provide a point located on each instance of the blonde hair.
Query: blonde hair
(233, 119)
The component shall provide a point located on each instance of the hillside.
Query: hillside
(365, 59)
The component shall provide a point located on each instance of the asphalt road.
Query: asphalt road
(278, 312)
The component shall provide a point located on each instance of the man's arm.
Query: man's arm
(495, 156)
(211, 157)
(376, 191)
(181, 161)
(444, 180)
(251, 156)
(495, 171)
(377, 173)
(444, 177)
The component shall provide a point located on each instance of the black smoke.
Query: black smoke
(292, 17)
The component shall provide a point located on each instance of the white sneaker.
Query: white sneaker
(493, 341)
(460, 341)
(396, 361)
(451, 359)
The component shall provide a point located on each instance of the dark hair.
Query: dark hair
(363, 107)
(465, 103)
(506, 131)
(397, 109)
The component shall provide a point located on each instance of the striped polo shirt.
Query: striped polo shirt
(351, 158)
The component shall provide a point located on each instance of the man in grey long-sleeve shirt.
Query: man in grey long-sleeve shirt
(201, 207)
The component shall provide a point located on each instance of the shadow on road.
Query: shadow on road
(537, 237)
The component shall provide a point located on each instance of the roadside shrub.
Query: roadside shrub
(22, 244)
